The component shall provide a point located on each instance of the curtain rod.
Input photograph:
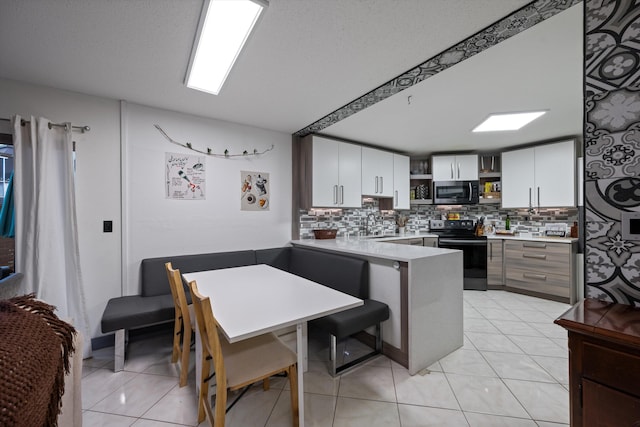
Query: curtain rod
(82, 129)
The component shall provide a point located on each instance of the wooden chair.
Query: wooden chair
(184, 324)
(237, 365)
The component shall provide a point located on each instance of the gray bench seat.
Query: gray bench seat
(136, 310)
(155, 305)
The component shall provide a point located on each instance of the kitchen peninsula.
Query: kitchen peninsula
(423, 288)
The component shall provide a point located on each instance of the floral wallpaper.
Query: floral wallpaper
(612, 148)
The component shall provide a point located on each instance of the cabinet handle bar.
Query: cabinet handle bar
(534, 245)
(536, 256)
(534, 276)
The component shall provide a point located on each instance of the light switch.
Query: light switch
(630, 225)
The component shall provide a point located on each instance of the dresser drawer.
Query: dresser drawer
(613, 368)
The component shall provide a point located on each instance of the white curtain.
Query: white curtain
(46, 227)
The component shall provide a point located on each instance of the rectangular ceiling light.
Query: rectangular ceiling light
(224, 28)
(508, 121)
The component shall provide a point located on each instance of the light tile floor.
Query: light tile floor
(512, 371)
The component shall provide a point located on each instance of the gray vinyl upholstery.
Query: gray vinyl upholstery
(155, 304)
(134, 311)
(275, 257)
(349, 322)
(154, 276)
(342, 273)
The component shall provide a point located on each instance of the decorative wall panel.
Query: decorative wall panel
(612, 148)
(511, 25)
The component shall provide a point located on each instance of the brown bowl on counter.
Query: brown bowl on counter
(325, 233)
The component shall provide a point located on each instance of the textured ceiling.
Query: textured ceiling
(306, 59)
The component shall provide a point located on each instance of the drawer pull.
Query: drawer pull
(536, 256)
(534, 245)
(534, 276)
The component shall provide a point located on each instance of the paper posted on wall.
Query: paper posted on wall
(254, 191)
(185, 176)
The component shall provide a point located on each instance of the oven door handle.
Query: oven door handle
(480, 242)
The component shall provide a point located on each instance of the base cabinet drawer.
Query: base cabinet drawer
(547, 257)
(540, 267)
(495, 265)
(430, 241)
(538, 281)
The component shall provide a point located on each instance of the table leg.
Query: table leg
(300, 351)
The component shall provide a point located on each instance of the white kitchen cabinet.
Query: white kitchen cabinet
(539, 177)
(455, 168)
(518, 178)
(556, 175)
(401, 182)
(330, 172)
(377, 173)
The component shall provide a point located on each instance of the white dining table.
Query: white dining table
(257, 299)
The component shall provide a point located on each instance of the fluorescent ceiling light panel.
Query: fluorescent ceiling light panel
(224, 31)
(509, 121)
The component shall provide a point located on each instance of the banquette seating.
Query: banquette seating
(155, 303)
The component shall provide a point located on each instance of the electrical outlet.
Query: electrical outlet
(107, 226)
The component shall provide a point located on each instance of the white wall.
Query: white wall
(97, 180)
(156, 226)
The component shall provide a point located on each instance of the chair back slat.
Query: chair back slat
(208, 327)
(179, 296)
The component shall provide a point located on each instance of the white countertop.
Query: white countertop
(534, 239)
(378, 248)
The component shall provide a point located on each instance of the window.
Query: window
(7, 244)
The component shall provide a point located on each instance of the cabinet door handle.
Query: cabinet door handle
(342, 194)
(534, 245)
(538, 197)
(381, 184)
(530, 205)
(490, 251)
(451, 170)
(534, 276)
(396, 198)
(536, 256)
(335, 194)
(458, 170)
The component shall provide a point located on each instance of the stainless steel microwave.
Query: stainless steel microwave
(455, 192)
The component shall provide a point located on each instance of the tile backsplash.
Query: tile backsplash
(354, 222)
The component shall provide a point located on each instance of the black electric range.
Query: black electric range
(460, 234)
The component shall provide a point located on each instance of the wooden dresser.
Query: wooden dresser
(604, 363)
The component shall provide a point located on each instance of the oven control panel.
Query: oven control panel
(447, 224)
